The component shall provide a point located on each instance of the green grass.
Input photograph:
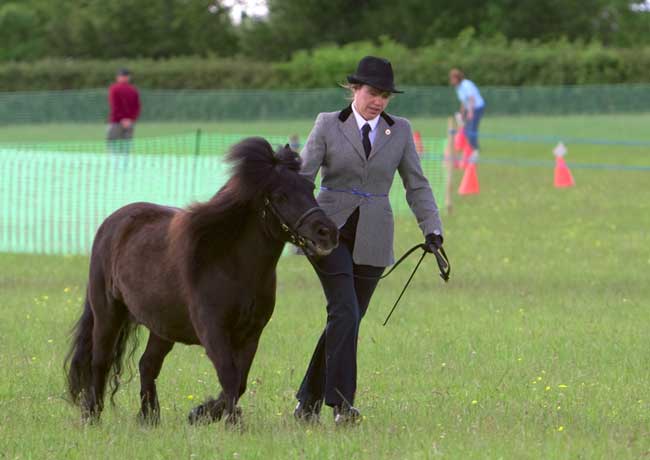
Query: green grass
(616, 127)
(537, 348)
(623, 128)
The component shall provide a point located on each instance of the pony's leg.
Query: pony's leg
(213, 409)
(110, 317)
(150, 365)
(244, 360)
(219, 348)
(209, 411)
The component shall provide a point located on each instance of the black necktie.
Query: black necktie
(365, 130)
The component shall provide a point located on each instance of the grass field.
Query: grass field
(622, 128)
(537, 348)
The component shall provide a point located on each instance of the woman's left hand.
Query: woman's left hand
(433, 245)
(433, 242)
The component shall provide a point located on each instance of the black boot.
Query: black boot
(346, 415)
(308, 411)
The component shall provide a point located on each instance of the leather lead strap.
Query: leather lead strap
(441, 258)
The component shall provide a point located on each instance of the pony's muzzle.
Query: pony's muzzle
(321, 235)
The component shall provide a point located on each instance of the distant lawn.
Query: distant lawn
(623, 128)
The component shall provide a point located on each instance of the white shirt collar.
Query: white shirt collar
(362, 121)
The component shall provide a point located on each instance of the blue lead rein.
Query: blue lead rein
(354, 191)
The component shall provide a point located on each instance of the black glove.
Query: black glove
(433, 245)
(433, 242)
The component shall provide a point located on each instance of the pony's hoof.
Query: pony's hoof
(151, 419)
(208, 412)
(90, 416)
(90, 419)
(234, 420)
(198, 416)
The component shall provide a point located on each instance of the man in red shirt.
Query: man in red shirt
(124, 102)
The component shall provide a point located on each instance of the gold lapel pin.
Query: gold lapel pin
(387, 132)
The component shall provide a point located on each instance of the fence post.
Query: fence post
(449, 161)
(197, 143)
(197, 151)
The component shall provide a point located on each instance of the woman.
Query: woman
(357, 151)
(471, 107)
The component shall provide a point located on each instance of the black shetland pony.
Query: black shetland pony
(205, 275)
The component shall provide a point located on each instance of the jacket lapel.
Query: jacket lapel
(351, 132)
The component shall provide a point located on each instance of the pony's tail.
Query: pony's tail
(78, 361)
(121, 346)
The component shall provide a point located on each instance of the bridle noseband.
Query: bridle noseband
(290, 230)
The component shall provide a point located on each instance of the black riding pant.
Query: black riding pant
(332, 373)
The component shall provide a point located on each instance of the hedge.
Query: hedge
(495, 63)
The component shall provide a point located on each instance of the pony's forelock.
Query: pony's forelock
(256, 167)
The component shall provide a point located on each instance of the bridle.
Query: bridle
(291, 230)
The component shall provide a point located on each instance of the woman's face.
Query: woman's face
(370, 101)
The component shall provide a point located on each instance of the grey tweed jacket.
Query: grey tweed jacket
(351, 181)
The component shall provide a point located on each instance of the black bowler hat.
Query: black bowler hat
(375, 72)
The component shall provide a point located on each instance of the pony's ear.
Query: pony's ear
(287, 146)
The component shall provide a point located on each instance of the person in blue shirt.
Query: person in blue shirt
(471, 106)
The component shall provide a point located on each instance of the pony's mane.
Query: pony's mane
(207, 230)
(256, 166)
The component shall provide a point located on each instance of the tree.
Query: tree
(17, 25)
(31, 29)
(304, 24)
(293, 25)
(115, 29)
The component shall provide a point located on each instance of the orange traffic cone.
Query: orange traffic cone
(469, 184)
(563, 176)
(461, 144)
(417, 139)
(467, 154)
(459, 139)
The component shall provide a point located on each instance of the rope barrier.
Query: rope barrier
(506, 161)
(545, 139)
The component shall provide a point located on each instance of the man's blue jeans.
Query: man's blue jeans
(471, 128)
